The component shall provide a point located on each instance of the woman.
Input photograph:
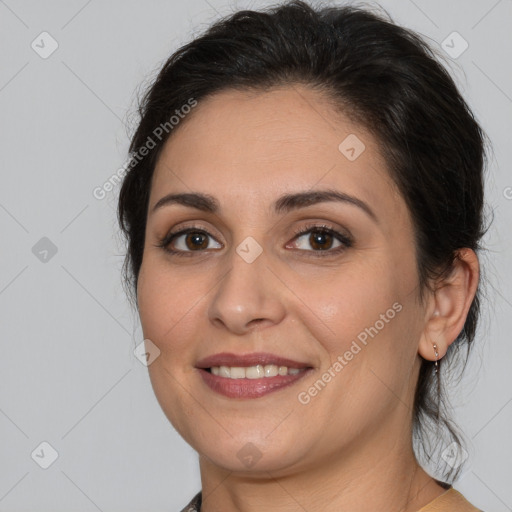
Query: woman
(303, 210)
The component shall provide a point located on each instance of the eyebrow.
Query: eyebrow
(284, 204)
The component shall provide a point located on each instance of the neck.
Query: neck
(381, 475)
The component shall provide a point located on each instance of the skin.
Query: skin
(349, 448)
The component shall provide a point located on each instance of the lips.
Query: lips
(237, 386)
(262, 358)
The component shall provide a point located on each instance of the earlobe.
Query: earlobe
(450, 303)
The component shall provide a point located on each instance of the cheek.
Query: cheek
(167, 304)
(168, 309)
(341, 306)
(366, 330)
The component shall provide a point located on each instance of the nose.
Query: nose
(248, 297)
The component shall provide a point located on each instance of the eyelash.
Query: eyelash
(346, 241)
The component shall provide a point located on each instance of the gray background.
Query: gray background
(68, 373)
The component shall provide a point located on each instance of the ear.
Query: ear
(448, 306)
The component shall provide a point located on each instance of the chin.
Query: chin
(240, 457)
(254, 454)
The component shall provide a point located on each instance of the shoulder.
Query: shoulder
(450, 501)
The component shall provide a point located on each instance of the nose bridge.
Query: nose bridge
(245, 293)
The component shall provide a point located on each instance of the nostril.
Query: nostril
(256, 321)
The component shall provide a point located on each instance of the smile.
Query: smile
(253, 372)
(250, 376)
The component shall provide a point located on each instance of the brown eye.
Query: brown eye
(189, 240)
(321, 240)
(196, 240)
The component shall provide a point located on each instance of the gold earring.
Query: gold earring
(437, 355)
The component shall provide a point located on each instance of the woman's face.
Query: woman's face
(274, 272)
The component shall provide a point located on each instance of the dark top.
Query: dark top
(195, 504)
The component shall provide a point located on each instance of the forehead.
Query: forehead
(261, 144)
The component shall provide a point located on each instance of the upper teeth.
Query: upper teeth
(253, 372)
